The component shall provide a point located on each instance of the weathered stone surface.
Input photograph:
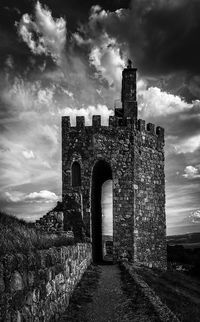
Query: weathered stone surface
(52, 221)
(16, 283)
(2, 285)
(42, 292)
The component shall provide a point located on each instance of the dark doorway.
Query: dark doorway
(101, 173)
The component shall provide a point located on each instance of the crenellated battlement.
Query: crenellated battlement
(114, 121)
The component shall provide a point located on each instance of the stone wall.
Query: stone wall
(66, 217)
(149, 197)
(37, 286)
(51, 222)
(135, 154)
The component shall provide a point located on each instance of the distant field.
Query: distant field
(187, 240)
(187, 245)
(179, 291)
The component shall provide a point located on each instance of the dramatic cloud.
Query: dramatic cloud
(151, 29)
(43, 34)
(153, 101)
(107, 59)
(48, 70)
(158, 36)
(192, 172)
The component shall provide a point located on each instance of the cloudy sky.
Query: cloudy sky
(65, 58)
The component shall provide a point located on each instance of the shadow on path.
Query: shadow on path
(107, 294)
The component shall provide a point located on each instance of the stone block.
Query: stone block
(2, 285)
(16, 283)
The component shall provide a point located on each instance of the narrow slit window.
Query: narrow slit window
(76, 174)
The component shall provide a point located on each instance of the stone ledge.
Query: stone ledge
(164, 313)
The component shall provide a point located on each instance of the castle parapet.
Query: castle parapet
(114, 122)
(141, 125)
(160, 133)
(66, 122)
(96, 121)
(80, 122)
(151, 128)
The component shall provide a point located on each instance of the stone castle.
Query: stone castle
(132, 155)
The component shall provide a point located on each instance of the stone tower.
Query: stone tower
(132, 155)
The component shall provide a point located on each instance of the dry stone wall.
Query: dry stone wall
(38, 286)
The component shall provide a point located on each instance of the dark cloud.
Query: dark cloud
(169, 31)
(162, 35)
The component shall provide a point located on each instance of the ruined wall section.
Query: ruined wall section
(52, 222)
(149, 190)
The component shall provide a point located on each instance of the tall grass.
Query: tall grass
(17, 236)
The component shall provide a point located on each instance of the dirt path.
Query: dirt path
(106, 294)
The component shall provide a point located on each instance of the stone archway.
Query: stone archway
(101, 172)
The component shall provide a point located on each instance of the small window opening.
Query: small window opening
(76, 174)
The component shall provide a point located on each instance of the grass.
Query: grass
(180, 292)
(18, 236)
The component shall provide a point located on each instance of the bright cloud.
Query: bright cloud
(188, 145)
(106, 53)
(38, 197)
(191, 172)
(43, 34)
(28, 154)
(43, 194)
(24, 95)
(106, 58)
(153, 101)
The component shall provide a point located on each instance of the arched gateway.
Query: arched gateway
(132, 154)
(101, 173)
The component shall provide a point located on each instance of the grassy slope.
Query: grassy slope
(17, 236)
(192, 238)
(180, 292)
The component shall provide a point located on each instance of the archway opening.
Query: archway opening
(101, 173)
(107, 219)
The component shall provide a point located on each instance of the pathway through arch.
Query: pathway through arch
(103, 296)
